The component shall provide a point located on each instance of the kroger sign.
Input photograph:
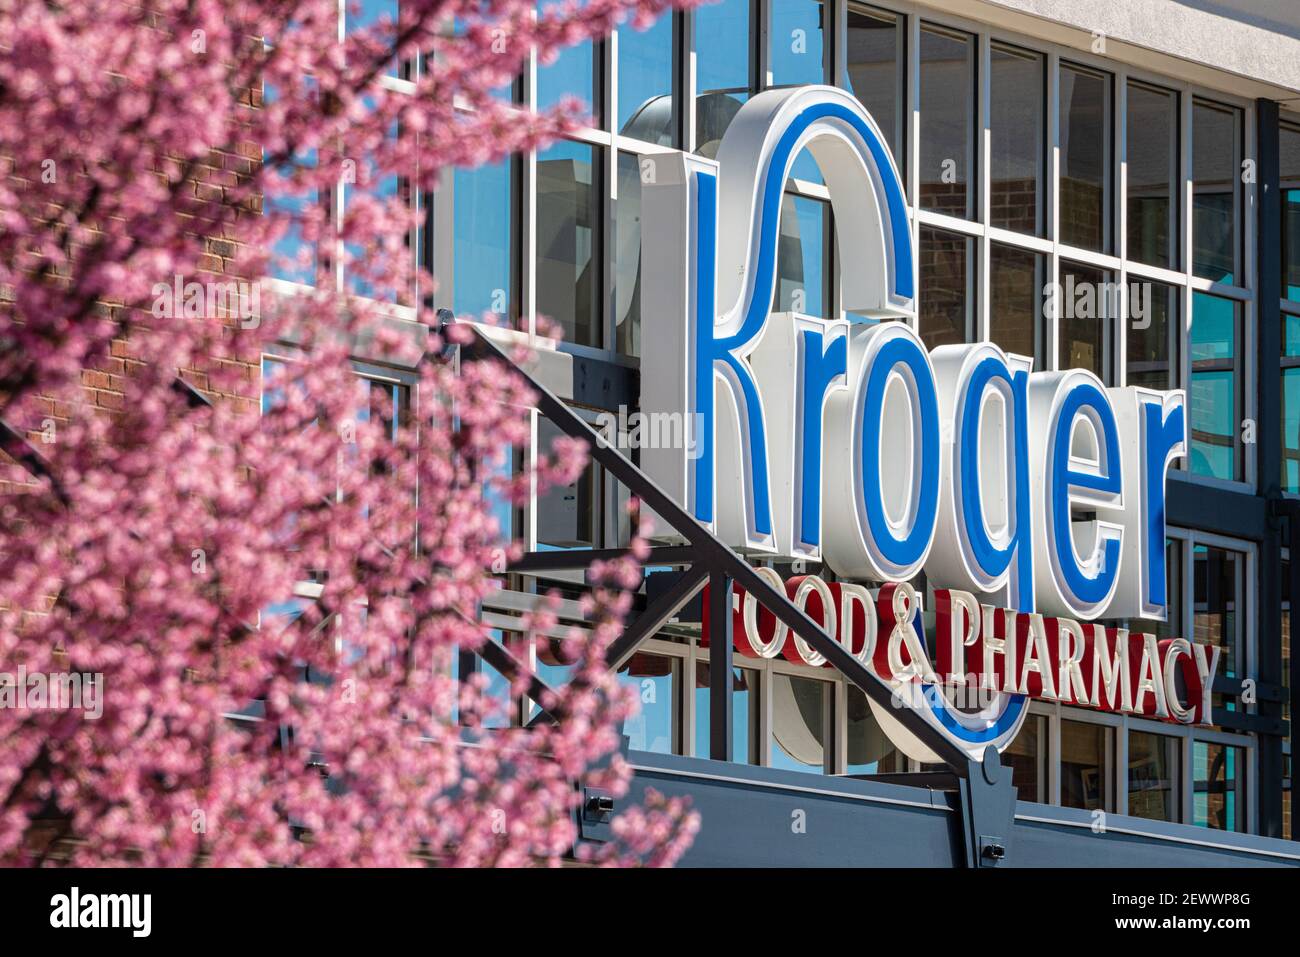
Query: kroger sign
(849, 443)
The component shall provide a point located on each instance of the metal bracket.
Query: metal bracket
(988, 800)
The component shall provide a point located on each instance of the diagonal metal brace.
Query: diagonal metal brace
(716, 556)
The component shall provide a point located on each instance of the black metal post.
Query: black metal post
(720, 664)
(1268, 453)
(1293, 682)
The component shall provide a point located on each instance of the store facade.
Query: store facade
(1071, 192)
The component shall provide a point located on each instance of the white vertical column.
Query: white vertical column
(1120, 218)
(528, 212)
(607, 238)
(1185, 205)
(912, 108)
(980, 179)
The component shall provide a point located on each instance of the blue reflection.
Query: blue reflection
(722, 37)
(645, 74)
(1214, 416)
(801, 257)
(796, 45)
(799, 723)
(273, 374)
(286, 249)
(570, 75)
(1213, 389)
(279, 615)
(1291, 429)
(1214, 327)
(357, 278)
(654, 678)
(482, 218)
(1291, 244)
(499, 504)
(367, 14)
(743, 682)
(806, 168)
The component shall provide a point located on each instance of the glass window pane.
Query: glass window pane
(1027, 758)
(1152, 165)
(798, 47)
(1289, 146)
(1219, 790)
(369, 12)
(499, 503)
(1214, 396)
(495, 697)
(1087, 765)
(571, 73)
(806, 168)
(294, 257)
(1085, 157)
(744, 714)
(947, 121)
(713, 114)
(566, 514)
(1291, 429)
(568, 214)
(802, 269)
(947, 297)
(875, 69)
(1016, 280)
(368, 15)
(358, 276)
(1215, 392)
(654, 726)
(627, 256)
(1017, 131)
(870, 750)
(483, 208)
(1153, 334)
(1291, 404)
(800, 723)
(1219, 577)
(1216, 166)
(554, 664)
(645, 82)
(1086, 304)
(722, 64)
(1153, 776)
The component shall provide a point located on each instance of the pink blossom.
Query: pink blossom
(157, 537)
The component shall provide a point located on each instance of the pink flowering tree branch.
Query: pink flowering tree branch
(274, 592)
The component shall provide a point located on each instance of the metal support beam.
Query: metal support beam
(511, 667)
(720, 663)
(573, 558)
(654, 617)
(716, 555)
